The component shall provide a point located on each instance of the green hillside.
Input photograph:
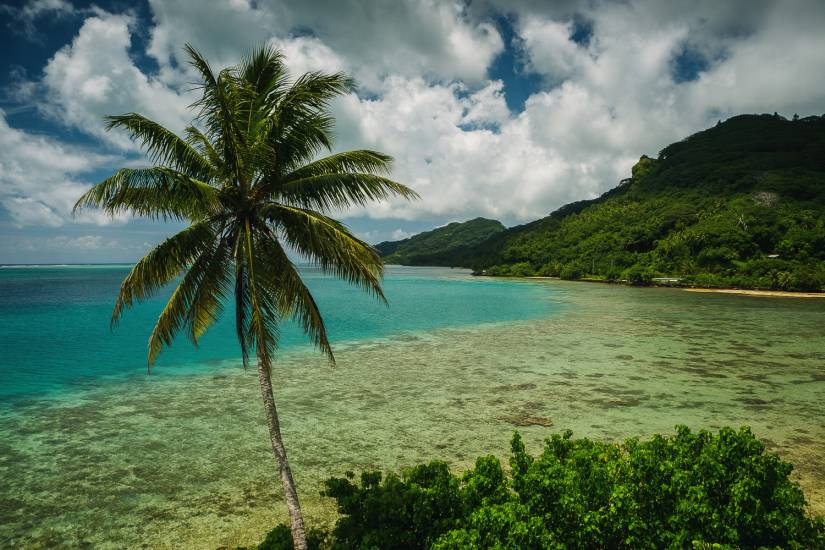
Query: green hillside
(441, 245)
(741, 204)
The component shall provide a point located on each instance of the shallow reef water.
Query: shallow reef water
(184, 461)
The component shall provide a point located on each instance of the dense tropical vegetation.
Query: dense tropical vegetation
(741, 204)
(439, 246)
(692, 489)
(247, 178)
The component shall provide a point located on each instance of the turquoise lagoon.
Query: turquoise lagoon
(95, 453)
(54, 321)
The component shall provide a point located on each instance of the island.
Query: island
(739, 205)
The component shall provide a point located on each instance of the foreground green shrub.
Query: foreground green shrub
(699, 490)
(281, 538)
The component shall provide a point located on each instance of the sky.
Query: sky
(506, 109)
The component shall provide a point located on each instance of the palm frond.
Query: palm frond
(304, 127)
(313, 91)
(301, 140)
(265, 316)
(341, 180)
(212, 291)
(242, 308)
(277, 271)
(201, 143)
(205, 275)
(200, 64)
(163, 146)
(359, 160)
(162, 265)
(155, 192)
(329, 244)
(217, 110)
(264, 70)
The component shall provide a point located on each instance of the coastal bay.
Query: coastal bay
(182, 459)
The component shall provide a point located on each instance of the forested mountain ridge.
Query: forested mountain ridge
(441, 245)
(741, 204)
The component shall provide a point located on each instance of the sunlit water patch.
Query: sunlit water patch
(168, 461)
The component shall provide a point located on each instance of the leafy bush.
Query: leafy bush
(613, 274)
(498, 271)
(572, 271)
(550, 269)
(280, 538)
(806, 278)
(638, 275)
(522, 269)
(700, 490)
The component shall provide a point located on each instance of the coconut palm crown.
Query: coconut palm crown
(247, 179)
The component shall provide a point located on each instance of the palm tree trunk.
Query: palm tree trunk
(296, 520)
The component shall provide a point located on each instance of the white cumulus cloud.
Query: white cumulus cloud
(94, 76)
(434, 38)
(426, 95)
(41, 178)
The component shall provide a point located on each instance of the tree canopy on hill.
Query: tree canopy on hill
(741, 204)
(441, 245)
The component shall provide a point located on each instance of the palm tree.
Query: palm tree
(247, 179)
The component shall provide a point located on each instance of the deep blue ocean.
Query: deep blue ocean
(54, 321)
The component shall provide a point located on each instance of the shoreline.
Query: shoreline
(755, 292)
(737, 291)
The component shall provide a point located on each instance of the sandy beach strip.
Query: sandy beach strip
(767, 293)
